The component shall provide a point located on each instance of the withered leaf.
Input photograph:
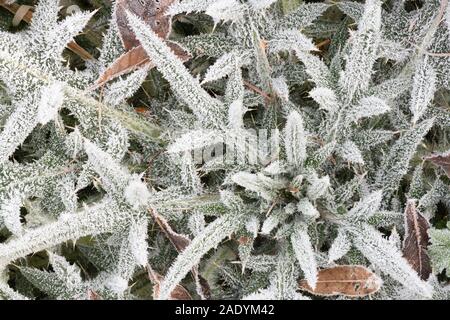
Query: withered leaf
(345, 280)
(179, 293)
(92, 295)
(179, 241)
(152, 12)
(135, 58)
(416, 240)
(128, 62)
(442, 160)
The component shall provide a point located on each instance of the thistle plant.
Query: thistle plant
(301, 143)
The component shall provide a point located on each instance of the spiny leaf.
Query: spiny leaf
(304, 252)
(210, 238)
(440, 250)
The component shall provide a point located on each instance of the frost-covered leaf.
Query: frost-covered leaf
(366, 207)
(213, 234)
(179, 139)
(354, 10)
(303, 16)
(439, 249)
(395, 164)
(386, 257)
(195, 139)
(307, 209)
(281, 88)
(291, 40)
(17, 128)
(206, 108)
(236, 114)
(363, 53)
(295, 139)
(350, 152)
(369, 107)
(326, 98)
(137, 239)
(10, 213)
(124, 88)
(64, 283)
(266, 187)
(51, 101)
(225, 10)
(64, 31)
(189, 6)
(224, 66)
(179, 293)
(318, 186)
(261, 4)
(316, 69)
(304, 252)
(424, 87)
(340, 246)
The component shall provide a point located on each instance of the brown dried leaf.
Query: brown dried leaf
(179, 293)
(346, 280)
(135, 58)
(179, 241)
(126, 63)
(152, 12)
(92, 295)
(202, 285)
(416, 240)
(442, 160)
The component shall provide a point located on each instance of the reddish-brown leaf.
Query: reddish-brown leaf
(128, 62)
(416, 240)
(442, 160)
(180, 242)
(350, 281)
(134, 59)
(152, 12)
(179, 293)
(92, 295)
(244, 240)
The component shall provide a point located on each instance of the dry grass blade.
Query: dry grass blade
(416, 241)
(346, 280)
